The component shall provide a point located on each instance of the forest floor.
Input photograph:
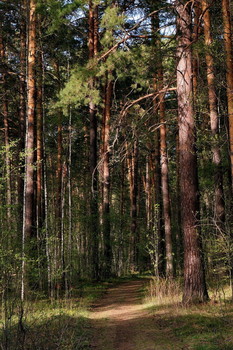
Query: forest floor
(122, 320)
(130, 314)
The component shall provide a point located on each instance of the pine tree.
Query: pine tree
(194, 275)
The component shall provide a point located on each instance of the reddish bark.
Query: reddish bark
(94, 214)
(30, 136)
(194, 276)
(229, 74)
(39, 145)
(6, 131)
(106, 179)
(219, 207)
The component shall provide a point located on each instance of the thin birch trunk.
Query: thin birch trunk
(47, 241)
(69, 258)
(165, 188)
(158, 221)
(22, 106)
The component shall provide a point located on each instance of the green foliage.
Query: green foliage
(112, 21)
(47, 327)
(58, 12)
(77, 90)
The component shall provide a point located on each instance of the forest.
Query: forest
(116, 164)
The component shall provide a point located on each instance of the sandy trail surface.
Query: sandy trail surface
(121, 321)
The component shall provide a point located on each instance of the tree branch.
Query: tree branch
(153, 94)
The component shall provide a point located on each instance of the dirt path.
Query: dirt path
(121, 321)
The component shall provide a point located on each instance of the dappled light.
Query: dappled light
(116, 175)
(123, 320)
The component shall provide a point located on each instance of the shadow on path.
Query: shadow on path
(121, 322)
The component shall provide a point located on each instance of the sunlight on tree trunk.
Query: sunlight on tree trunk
(194, 276)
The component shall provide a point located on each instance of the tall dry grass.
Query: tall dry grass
(162, 291)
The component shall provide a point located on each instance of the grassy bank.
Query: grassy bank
(66, 324)
(199, 327)
(49, 324)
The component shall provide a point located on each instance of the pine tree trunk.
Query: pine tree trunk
(31, 106)
(133, 185)
(219, 208)
(194, 276)
(148, 195)
(6, 132)
(122, 249)
(59, 189)
(179, 235)
(106, 180)
(28, 212)
(94, 211)
(195, 55)
(7, 159)
(164, 169)
(229, 73)
(39, 146)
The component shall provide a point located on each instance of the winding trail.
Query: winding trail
(121, 322)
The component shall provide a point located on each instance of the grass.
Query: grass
(57, 324)
(46, 327)
(50, 324)
(65, 324)
(199, 327)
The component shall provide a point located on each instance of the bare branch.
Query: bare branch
(153, 94)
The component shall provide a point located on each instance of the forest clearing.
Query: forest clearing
(116, 162)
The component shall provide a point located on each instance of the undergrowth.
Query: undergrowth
(206, 326)
(162, 291)
(43, 324)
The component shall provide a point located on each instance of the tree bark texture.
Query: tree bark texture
(133, 186)
(165, 189)
(229, 73)
(40, 211)
(164, 168)
(31, 106)
(94, 211)
(194, 276)
(22, 100)
(219, 207)
(6, 131)
(106, 179)
(158, 219)
(196, 34)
